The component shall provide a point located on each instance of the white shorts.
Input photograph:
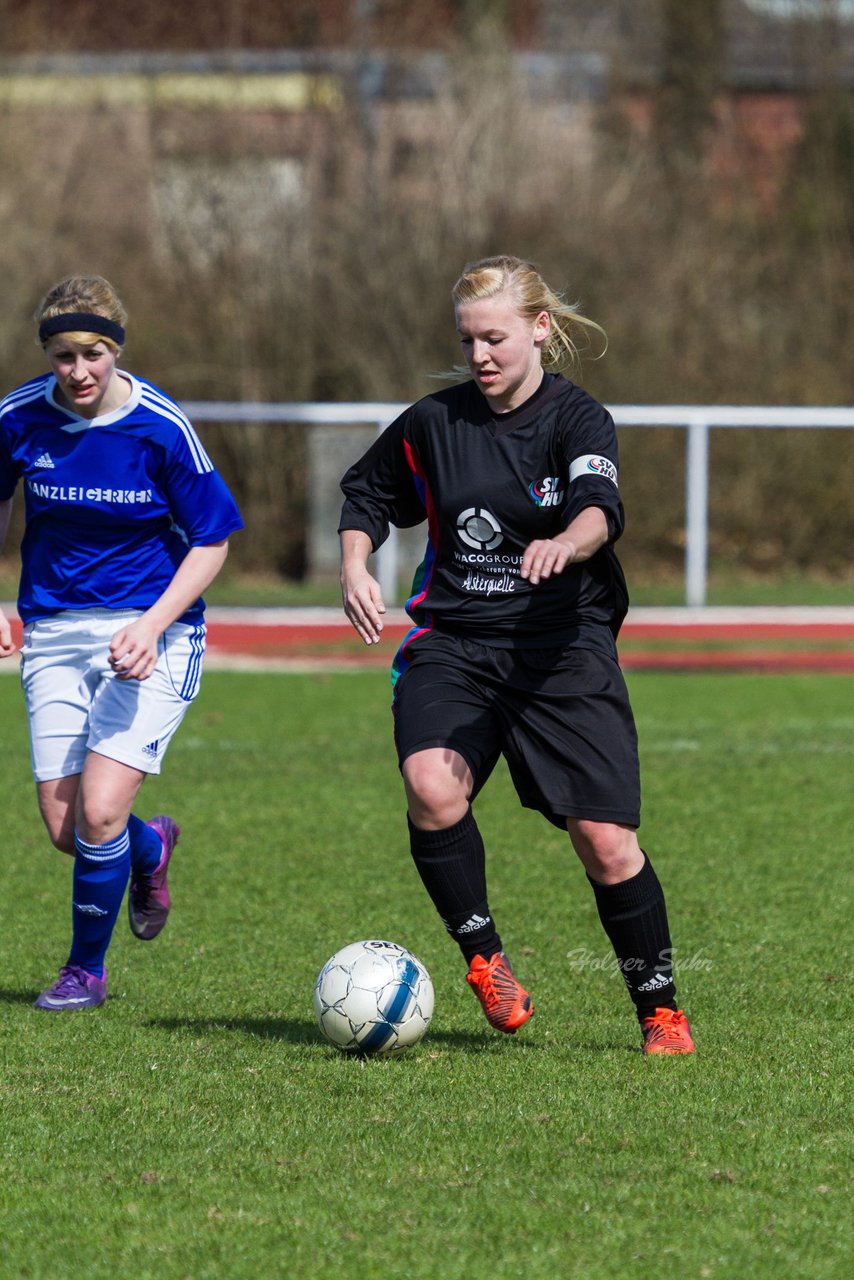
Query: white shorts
(75, 704)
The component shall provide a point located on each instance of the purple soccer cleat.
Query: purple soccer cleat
(74, 989)
(148, 898)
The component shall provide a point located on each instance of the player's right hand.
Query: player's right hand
(363, 603)
(7, 645)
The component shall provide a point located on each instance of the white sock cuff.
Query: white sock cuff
(112, 851)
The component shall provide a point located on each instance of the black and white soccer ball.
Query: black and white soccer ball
(373, 997)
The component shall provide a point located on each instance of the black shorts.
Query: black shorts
(560, 717)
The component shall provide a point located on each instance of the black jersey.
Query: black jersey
(488, 485)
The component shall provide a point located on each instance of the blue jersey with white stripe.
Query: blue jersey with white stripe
(113, 503)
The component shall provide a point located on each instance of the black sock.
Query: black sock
(634, 917)
(452, 865)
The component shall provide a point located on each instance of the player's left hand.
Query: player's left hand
(7, 644)
(544, 557)
(133, 651)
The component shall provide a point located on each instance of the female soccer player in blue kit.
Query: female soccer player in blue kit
(516, 609)
(127, 523)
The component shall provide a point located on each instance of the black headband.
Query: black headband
(81, 322)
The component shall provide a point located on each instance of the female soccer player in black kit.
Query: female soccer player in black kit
(516, 608)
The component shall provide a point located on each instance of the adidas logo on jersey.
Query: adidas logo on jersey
(45, 460)
(151, 749)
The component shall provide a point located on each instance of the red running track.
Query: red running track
(770, 640)
(759, 640)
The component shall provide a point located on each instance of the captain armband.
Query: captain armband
(593, 464)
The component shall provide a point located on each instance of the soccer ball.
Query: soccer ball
(373, 997)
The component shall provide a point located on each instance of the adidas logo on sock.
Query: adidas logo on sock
(45, 460)
(88, 909)
(151, 749)
(473, 923)
(659, 980)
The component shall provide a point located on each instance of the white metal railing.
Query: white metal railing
(697, 420)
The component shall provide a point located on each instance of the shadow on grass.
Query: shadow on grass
(304, 1031)
(18, 997)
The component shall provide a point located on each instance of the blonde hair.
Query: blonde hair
(83, 293)
(491, 276)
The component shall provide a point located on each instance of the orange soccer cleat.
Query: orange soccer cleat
(506, 1004)
(667, 1031)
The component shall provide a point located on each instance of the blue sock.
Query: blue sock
(146, 847)
(100, 877)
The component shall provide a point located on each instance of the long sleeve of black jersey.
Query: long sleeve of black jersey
(379, 489)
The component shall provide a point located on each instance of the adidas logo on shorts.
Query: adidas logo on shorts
(151, 749)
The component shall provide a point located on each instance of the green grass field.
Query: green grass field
(197, 1126)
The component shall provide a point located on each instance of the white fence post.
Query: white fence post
(386, 566)
(696, 511)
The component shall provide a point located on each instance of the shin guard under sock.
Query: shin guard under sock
(100, 877)
(452, 866)
(634, 916)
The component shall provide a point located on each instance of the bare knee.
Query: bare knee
(438, 785)
(98, 820)
(609, 851)
(105, 798)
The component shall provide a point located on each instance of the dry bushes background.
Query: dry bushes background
(309, 256)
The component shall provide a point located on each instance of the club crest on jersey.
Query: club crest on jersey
(478, 528)
(547, 492)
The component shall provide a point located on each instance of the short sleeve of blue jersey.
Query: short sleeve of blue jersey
(8, 471)
(200, 501)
